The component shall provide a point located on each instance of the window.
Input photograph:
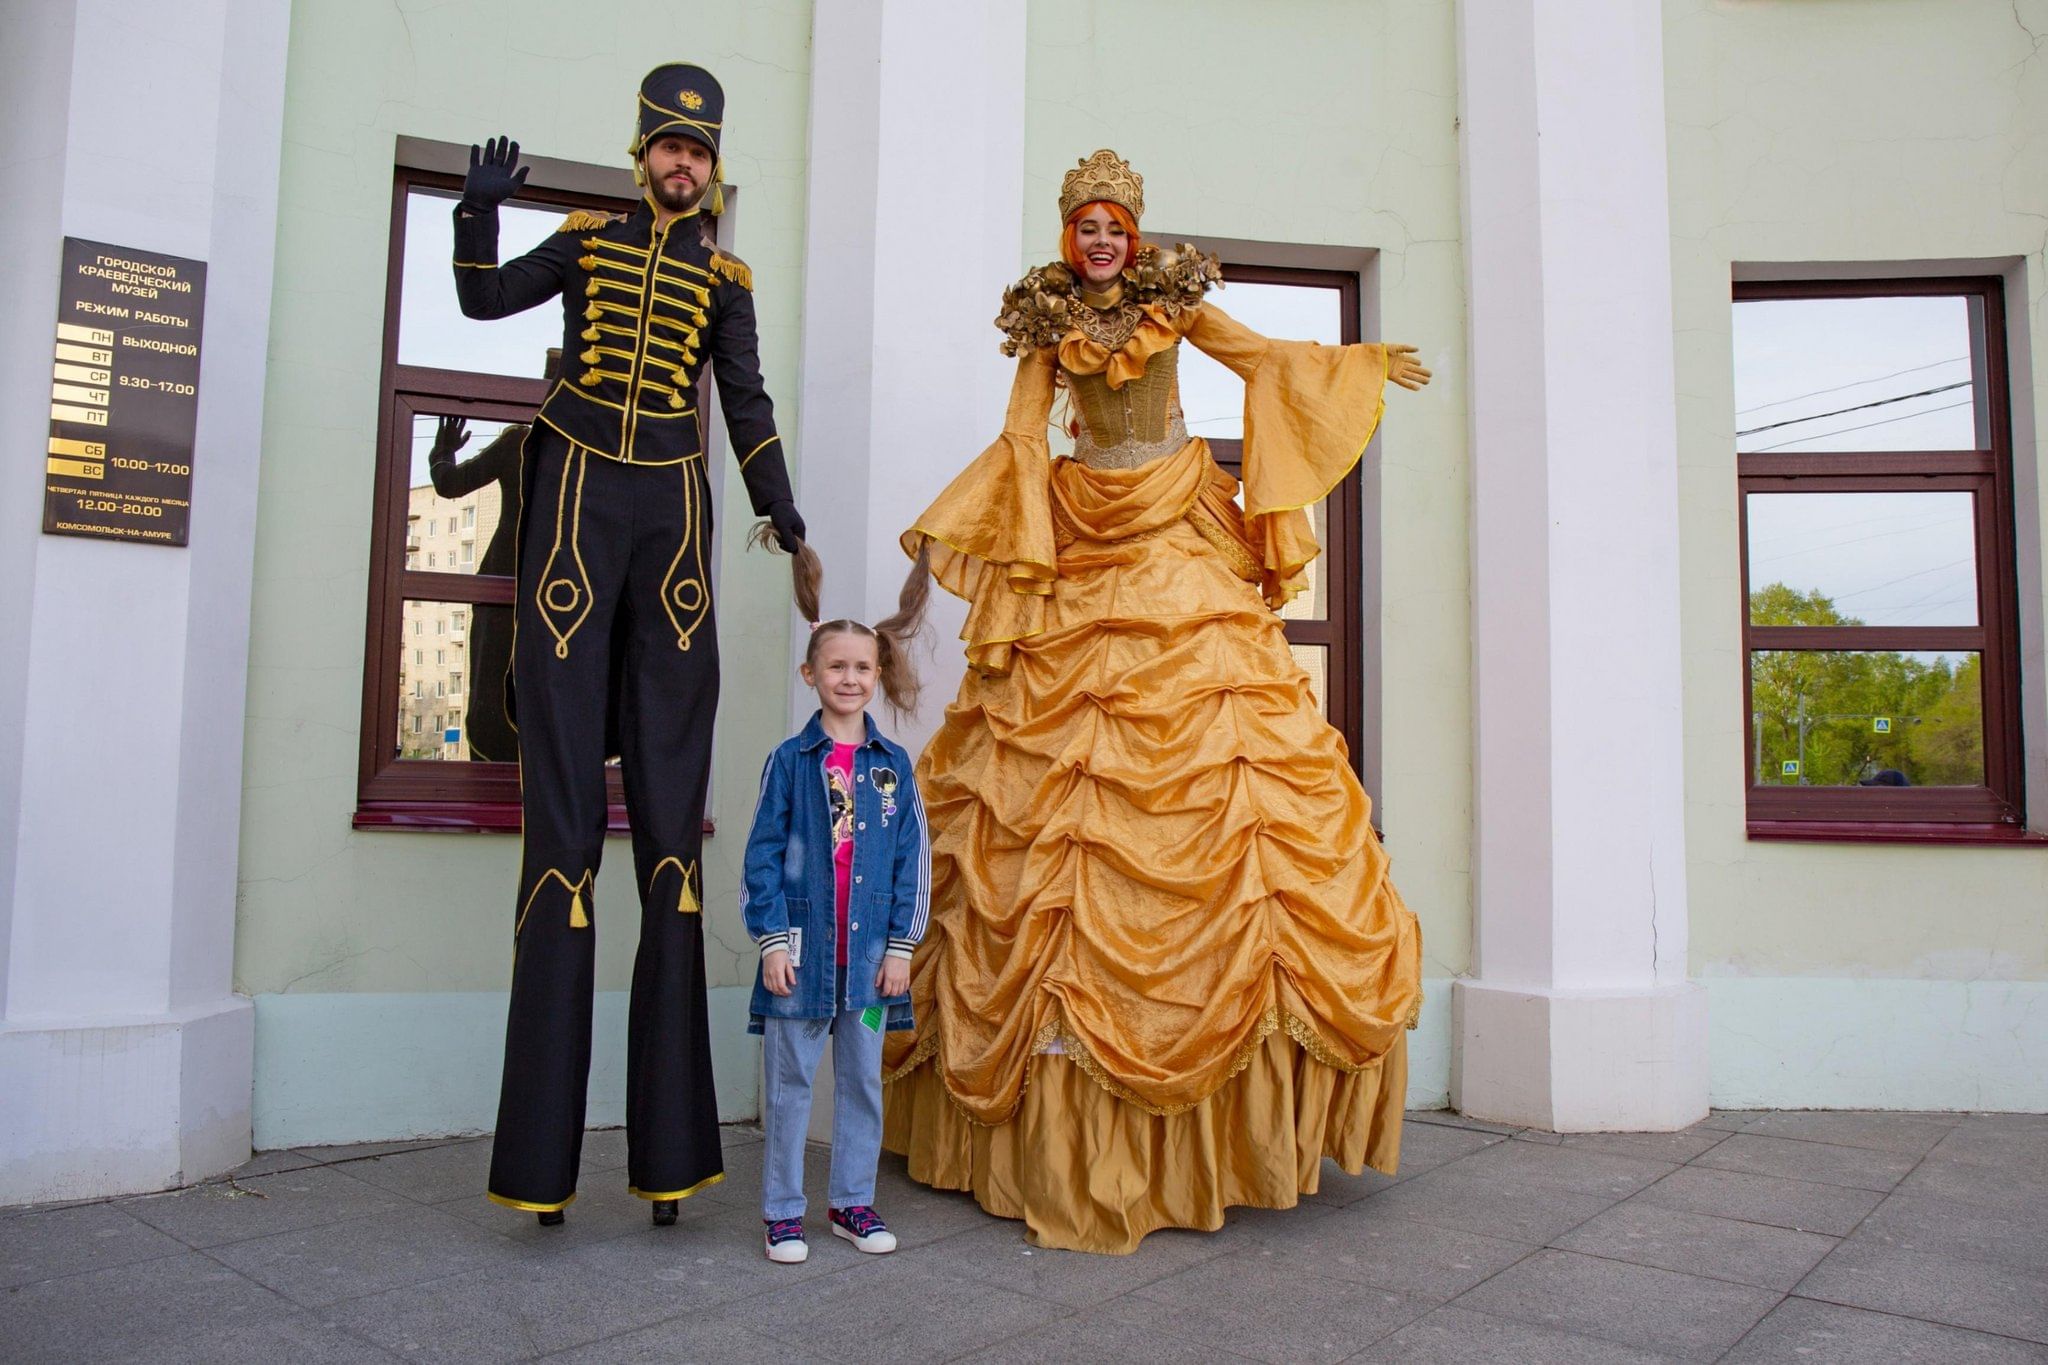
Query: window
(1324, 625)
(438, 364)
(441, 656)
(1874, 456)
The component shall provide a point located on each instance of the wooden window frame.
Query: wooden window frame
(1341, 632)
(1995, 812)
(393, 793)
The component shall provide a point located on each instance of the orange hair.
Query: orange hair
(1070, 249)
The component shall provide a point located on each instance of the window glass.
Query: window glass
(1862, 559)
(1314, 660)
(1840, 718)
(1892, 373)
(431, 328)
(1211, 396)
(480, 648)
(470, 497)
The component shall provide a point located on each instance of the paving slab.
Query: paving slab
(1449, 1198)
(604, 1209)
(1700, 1244)
(1831, 1209)
(70, 1241)
(318, 1266)
(126, 1313)
(730, 1336)
(1657, 1310)
(998, 1254)
(1673, 1148)
(1258, 1308)
(1905, 1134)
(1451, 1118)
(1565, 1168)
(604, 1149)
(1823, 1163)
(2014, 1236)
(552, 1304)
(1338, 1188)
(300, 1338)
(428, 1175)
(213, 1215)
(1430, 1262)
(357, 1151)
(1979, 1295)
(906, 1306)
(271, 1163)
(2012, 1183)
(1730, 1120)
(1830, 1334)
(1098, 1337)
(1459, 1336)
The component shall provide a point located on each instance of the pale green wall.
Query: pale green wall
(1837, 130)
(325, 910)
(1317, 122)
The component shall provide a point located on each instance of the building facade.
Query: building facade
(1688, 629)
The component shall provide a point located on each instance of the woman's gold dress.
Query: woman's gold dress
(1166, 971)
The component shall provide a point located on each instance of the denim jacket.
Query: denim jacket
(788, 893)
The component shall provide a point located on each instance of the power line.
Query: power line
(1885, 422)
(1815, 393)
(1878, 403)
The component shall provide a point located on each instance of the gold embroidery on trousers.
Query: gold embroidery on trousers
(683, 595)
(579, 918)
(563, 601)
(687, 902)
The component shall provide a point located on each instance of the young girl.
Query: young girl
(838, 885)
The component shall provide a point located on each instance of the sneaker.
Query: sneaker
(863, 1227)
(785, 1241)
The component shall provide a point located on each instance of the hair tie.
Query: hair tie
(815, 625)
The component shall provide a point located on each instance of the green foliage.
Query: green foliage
(1836, 698)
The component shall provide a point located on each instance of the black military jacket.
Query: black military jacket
(643, 310)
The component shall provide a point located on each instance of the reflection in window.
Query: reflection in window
(1897, 372)
(1843, 718)
(465, 481)
(1862, 559)
(481, 732)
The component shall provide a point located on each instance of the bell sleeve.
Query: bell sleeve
(1309, 412)
(990, 533)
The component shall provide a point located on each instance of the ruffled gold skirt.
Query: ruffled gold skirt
(1166, 971)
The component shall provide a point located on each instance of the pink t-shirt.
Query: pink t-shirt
(839, 781)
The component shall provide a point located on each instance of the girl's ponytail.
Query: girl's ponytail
(894, 660)
(805, 572)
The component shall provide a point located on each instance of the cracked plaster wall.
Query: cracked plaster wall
(325, 910)
(1317, 122)
(1826, 130)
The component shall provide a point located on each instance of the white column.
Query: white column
(916, 205)
(914, 225)
(125, 1056)
(1578, 1016)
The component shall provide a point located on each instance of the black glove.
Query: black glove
(450, 436)
(492, 177)
(788, 523)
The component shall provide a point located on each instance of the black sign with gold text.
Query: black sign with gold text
(124, 394)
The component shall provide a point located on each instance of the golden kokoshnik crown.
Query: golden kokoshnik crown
(1105, 175)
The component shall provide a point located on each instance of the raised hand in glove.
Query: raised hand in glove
(495, 175)
(788, 523)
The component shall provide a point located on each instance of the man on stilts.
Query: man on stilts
(614, 614)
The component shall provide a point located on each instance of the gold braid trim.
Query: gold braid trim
(1043, 306)
(734, 269)
(584, 220)
(1224, 543)
(1300, 1030)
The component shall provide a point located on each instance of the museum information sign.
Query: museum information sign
(124, 394)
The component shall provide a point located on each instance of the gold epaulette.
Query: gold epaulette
(583, 220)
(734, 269)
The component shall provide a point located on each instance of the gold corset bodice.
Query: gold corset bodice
(1124, 428)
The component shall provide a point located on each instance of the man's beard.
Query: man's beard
(674, 201)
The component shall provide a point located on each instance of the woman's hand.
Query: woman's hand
(776, 973)
(894, 978)
(1404, 369)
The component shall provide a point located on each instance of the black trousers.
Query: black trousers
(614, 574)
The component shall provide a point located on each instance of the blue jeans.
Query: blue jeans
(790, 1052)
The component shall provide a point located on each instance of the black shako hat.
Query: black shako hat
(680, 98)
